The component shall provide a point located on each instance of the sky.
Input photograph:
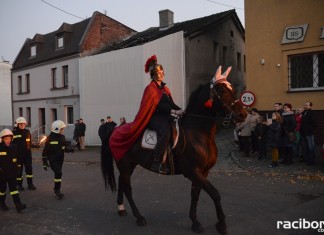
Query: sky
(22, 19)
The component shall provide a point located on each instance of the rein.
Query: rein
(226, 122)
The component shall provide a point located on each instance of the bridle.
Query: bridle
(230, 115)
(215, 91)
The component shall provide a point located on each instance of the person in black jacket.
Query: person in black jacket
(53, 154)
(22, 138)
(306, 131)
(288, 127)
(8, 171)
(82, 130)
(260, 132)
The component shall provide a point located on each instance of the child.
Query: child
(53, 153)
(260, 132)
(8, 171)
(274, 131)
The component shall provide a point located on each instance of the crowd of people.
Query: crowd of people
(287, 135)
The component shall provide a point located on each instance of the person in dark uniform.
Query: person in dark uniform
(8, 171)
(22, 138)
(53, 154)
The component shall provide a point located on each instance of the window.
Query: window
(54, 78)
(28, 116)
(59, 42)
(20, 112)
(53, 115)
(27, 82)
(65, 70)
(238, 61)
(19, 84)
(306, 72)
(69, 114)
(32, 51)
(216, 52)
(224, 62)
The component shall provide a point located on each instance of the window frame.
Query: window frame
(19, 84)
(59, 42)
(65, 76)
(69, 114)
(298, 66)
(54, 78)
(27, 79)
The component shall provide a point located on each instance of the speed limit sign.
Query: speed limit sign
(247, 98)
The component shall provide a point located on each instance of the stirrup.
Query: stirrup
(164, 169)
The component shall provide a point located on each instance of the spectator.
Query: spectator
(254, 121)
(288, 130)
(122, 121)
(76, 134)
(298, 144)
(306, 130)
(273, 137)
(261, 136)
(245, 129)
(105, 133)
(277, 107)
(82, 130)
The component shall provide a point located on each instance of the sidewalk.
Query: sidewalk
(226, 145)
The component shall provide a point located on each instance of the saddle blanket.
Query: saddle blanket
(149, 139)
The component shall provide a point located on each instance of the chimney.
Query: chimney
(166, 18)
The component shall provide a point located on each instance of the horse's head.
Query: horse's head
(221, 89)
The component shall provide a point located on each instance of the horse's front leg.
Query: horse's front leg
(195, 192)
(201, 181)
(127, 189)
(120, 199)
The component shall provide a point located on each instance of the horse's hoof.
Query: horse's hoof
(122, 213)
(221, 228)
(197, 228)
(141, 222)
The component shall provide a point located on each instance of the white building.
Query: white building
(5, 91)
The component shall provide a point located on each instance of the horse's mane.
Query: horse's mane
(197, 97)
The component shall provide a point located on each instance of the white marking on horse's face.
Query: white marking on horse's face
(228, 85)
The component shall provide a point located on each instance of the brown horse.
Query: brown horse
(194, 155)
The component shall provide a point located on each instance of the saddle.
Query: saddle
(149, 141)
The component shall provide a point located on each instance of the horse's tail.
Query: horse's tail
(107, 168)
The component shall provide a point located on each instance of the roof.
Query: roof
(46, 50)
(190, 28)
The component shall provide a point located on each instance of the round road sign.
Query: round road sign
(247, 98)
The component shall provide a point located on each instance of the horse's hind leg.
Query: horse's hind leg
(120, 199)
(201, 180)
(124, 180)
(195, 192)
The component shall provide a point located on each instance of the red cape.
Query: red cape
(124, 136)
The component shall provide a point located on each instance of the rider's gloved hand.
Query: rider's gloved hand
(177, 112)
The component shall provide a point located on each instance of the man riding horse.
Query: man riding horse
(155, 113)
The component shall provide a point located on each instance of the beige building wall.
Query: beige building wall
(265, 23)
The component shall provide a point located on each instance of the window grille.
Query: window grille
(306, 72)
